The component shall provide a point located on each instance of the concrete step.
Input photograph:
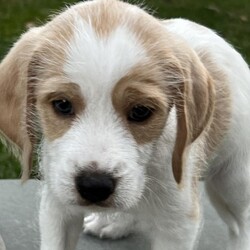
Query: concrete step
(19, 223)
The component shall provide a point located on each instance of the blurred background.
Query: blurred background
(230, 18)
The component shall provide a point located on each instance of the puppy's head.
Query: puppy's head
(101, 81)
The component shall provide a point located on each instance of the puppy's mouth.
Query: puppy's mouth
(107, 204)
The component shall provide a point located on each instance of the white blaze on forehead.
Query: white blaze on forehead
(98, 62)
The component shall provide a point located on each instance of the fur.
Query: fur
(107, 57)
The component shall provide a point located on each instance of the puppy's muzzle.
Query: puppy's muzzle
(94, 187)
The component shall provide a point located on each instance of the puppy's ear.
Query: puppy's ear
(194, 102)
(14, 129)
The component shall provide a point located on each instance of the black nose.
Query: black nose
(94, 187)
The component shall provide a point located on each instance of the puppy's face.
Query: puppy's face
(101, 103)
(101, 84)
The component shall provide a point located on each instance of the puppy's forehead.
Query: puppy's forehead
(116, 54)
(98, 61)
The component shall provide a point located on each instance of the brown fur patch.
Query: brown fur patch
(13, 85)
(54, 125)
(46, 76)
(13, 79)
(140, 88)
(194, 101)
(104, 15)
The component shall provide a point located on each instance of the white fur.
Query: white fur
(229, 175)
(97, 135)
(96, 67)
(101, 62)
(147, 188)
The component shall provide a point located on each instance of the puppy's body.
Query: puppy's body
(132, 111)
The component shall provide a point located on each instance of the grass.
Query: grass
(230, 18)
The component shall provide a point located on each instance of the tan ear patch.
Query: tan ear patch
(194, 101)
(13, 93)
(178, 158)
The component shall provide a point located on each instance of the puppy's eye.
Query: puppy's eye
(63, 107)
(139, 113)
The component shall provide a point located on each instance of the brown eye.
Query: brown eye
(139, 113)
(63, 107)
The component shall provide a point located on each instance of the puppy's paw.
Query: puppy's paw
(112, 226)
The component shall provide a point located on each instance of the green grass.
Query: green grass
(230, 18)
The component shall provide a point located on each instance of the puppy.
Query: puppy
(127, 112)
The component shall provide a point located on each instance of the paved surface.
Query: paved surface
(19, 223)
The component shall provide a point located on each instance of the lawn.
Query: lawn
(230, 18)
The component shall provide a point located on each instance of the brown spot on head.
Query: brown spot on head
(106, 15)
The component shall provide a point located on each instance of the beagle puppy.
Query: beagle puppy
(126, 113)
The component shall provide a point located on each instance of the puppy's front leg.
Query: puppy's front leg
(59, 226)
(187, 241)
(177, 227)
(176, 234)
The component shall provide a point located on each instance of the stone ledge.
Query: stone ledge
(19, 223)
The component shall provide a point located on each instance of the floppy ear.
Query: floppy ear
(194, 102)
(14, 129)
